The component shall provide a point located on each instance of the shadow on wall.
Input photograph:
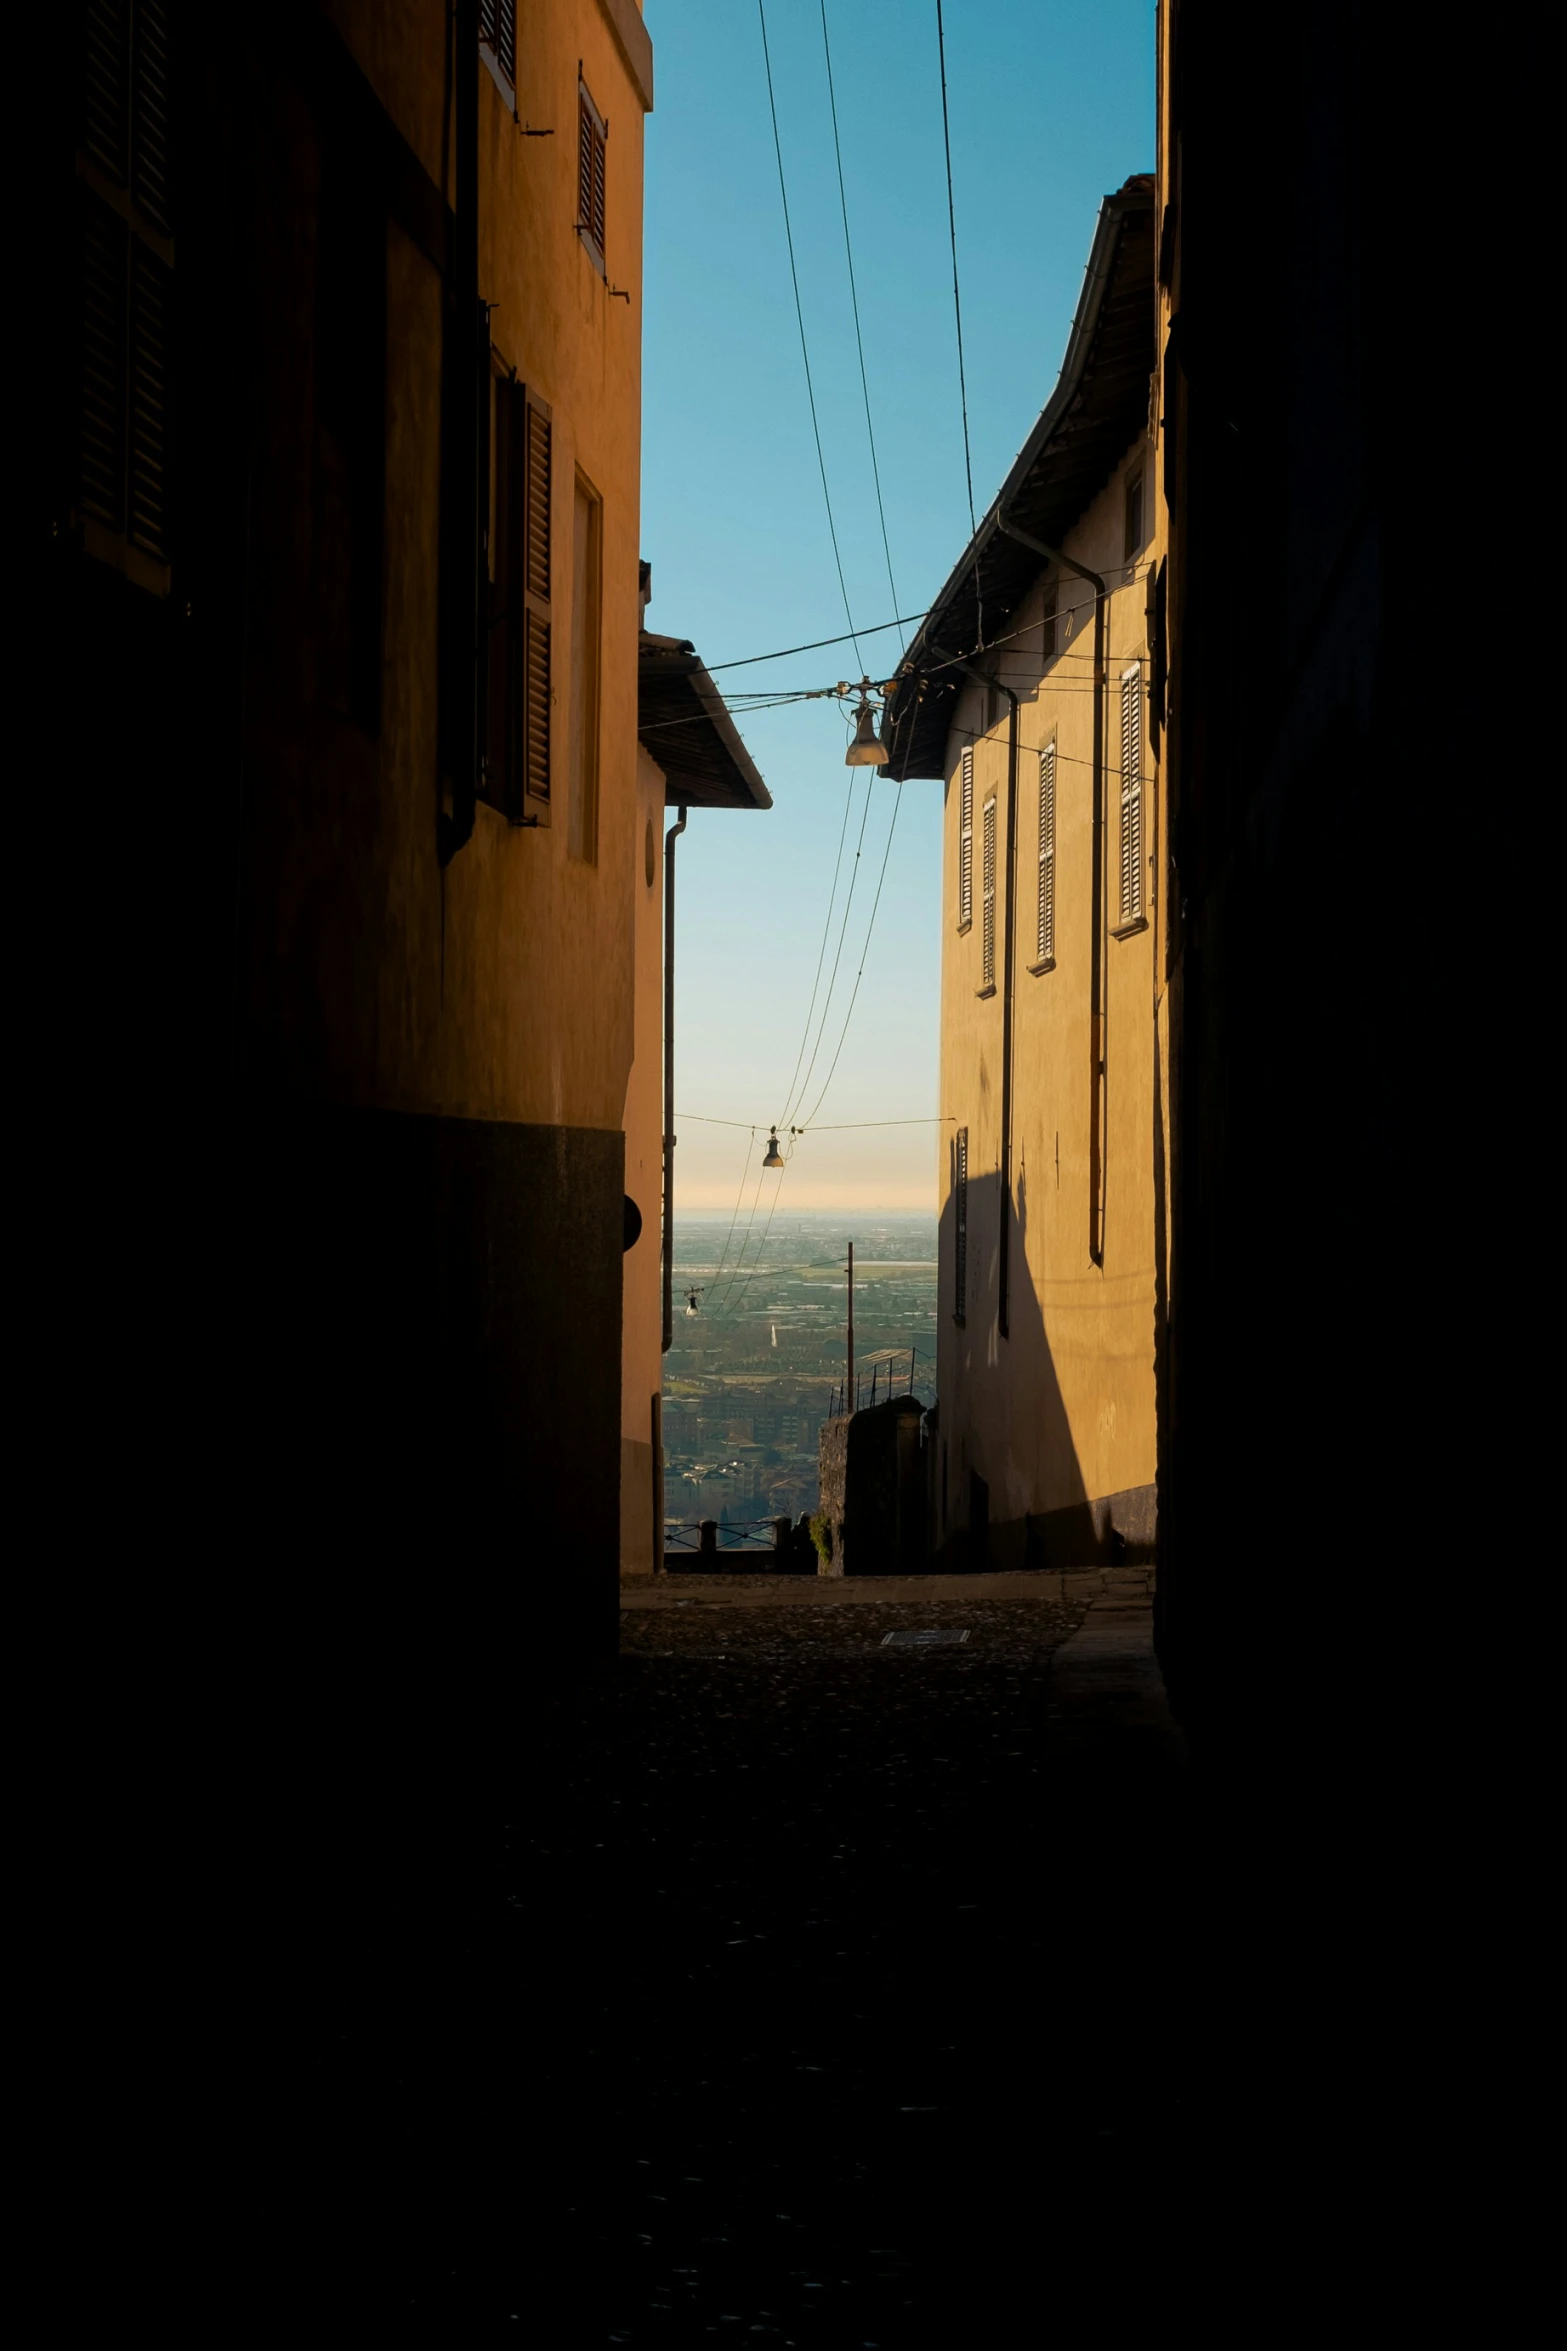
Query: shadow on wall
(1002, 1422)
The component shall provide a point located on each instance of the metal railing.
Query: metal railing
(731, 1534)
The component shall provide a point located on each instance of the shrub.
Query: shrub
(821, 1536)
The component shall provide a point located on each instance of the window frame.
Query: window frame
(125, 224)
(1133, 899)
(497, 18)
(587, 662)
(1136, 502)
(593, 138)
(1045, 903)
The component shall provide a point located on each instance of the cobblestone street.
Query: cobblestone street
(813, 1942)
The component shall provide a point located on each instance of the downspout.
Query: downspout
(465, 501)
(1004, 1251)
(1096, 985)
(670, 839)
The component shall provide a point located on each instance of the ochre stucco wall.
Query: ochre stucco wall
(641, 1357)
(1060, 1414)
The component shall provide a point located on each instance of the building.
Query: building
(690, 757)
(342, 514)
(1031, 692)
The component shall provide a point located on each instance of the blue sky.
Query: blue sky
(1051, 108)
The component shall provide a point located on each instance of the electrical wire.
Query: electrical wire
(864, 952)
(843, 932)
(844, 1127)
(854, 297)
(817, 644)
(957, 305)
(794, 279)
(821, 956)
(735, 1218)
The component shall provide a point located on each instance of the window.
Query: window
(1132, 795)
(498, 38)
(592, 142)
(1134, 515)
(126, 258)
(987, 933)
(960, 1223)
(517, 731)
(1045, 952)
(966, 840)
(586, 601)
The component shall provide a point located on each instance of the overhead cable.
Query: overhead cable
(854, 297)
(794, 279)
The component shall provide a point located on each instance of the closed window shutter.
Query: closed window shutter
(498, 32)
(105, 341)
(1047, 855)
(591, 169)
(535, 646)
(123, 382)
(149, 403)
(150, 112)
(106, 75)
(960, 1222)
(988, 929)
(966, 842)
(1131, 796)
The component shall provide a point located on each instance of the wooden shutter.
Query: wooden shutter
(150, 111)
(592, 143)
(1047, 856)
(148, 499)
(960, 1223)
(534, 650)
(1131, 795)
(125, 263)
(498, 33)
(105, 264)
(966, 841)
(988, 926)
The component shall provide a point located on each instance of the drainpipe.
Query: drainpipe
(1004, 1252)
(466, 399)
(1096, 988)
(670, 839)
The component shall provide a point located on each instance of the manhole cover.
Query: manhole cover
(923, 1640)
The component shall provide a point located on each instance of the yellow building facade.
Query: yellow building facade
(1031, 692)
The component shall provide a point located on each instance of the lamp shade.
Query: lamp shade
(775, 1157)
(867, 749)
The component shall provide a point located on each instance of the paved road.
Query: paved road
(823, 2012)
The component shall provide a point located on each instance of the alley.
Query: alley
(827, 1968)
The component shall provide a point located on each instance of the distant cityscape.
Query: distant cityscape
(753, 1371)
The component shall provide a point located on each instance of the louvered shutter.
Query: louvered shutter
(1131, 796)
(498, 33)
(148, 502)
(988, 926)
(534, 649)
(150, 112)
(123, 385)
(1047, 856)
(105, 264)
(106, 75)
(592, 141)
(966, 842)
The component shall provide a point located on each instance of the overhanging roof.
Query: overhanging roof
(684, 726)
(1098, 408)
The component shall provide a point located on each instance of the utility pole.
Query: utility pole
(848, 1389)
